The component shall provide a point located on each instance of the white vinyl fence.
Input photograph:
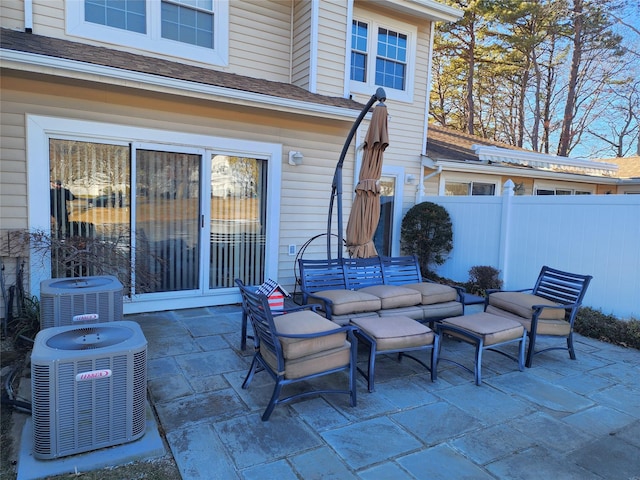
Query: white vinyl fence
(598, 235)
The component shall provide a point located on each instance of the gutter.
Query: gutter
(494, 169)
(73, 69)
(542, 161)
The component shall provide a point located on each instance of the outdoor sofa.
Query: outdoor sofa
(349, 288)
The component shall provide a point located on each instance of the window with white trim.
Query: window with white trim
(193, 29)
(470, 188)
(382, 55)
(541, 188)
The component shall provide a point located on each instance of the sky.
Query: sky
(631, 37)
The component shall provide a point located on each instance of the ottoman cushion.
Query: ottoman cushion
(395, 333)
(492, 328)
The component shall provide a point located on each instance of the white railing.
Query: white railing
(597, 235)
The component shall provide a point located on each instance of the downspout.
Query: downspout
(428, 96)
(313, 57)
(28, 16)
(291, 44)
(347, 50)
(423, 178)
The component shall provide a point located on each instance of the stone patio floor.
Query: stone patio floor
(559, 419)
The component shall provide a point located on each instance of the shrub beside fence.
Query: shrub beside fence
(597, 235)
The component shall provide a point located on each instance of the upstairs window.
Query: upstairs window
(188, 21)
(128, 15)
(192, 29)
(359, 39)
(391, 59)
(382, 55)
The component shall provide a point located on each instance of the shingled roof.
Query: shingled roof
(628, 167)
(444, 143)
(80, 52)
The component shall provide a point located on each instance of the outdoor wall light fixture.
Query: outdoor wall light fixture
(295, 158)
(410, 179)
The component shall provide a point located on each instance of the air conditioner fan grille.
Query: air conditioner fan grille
(87, 338)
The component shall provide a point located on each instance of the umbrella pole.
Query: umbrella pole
(336, 186)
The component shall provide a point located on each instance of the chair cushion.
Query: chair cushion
(395, 333)
(520, 303)
(492, 328)
(349, 301)
(394, 296)
(434, 292)
(545, 327)
(310, 364)
(305, 322)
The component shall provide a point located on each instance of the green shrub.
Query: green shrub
(595, 324)
(483, 278)
(428, 233)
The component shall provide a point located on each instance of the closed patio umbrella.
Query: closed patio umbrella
(365, 212)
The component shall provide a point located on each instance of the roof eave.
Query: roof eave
(542, 161)
(36, 63)
(426, 9)
(466, 167)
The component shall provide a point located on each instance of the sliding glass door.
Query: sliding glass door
(138, 211)
(237, 221)
(167, 221)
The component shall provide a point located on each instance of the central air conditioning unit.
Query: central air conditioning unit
(67, 301)
(88, 388)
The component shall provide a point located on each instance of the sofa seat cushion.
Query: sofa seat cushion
(394, 296)
(520, 303)
(310, 364)
(493, 329)
(434, 292)
(349, 301)
(306, 322)
(437, 311)
(395, 333)
(545, 327)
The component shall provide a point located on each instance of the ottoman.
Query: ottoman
(395, 334)
(486, 331)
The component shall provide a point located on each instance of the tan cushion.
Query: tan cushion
(520, 303)
(492, 328)
(395, 333)
(434, 292)
(304, 322)
(545, 327)
(349, 301)
(394, 296)
(310, 364)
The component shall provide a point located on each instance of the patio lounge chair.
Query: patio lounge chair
(297, 346)
(548, 309)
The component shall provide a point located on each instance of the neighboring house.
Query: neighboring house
(461, 164)
(148, 104)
